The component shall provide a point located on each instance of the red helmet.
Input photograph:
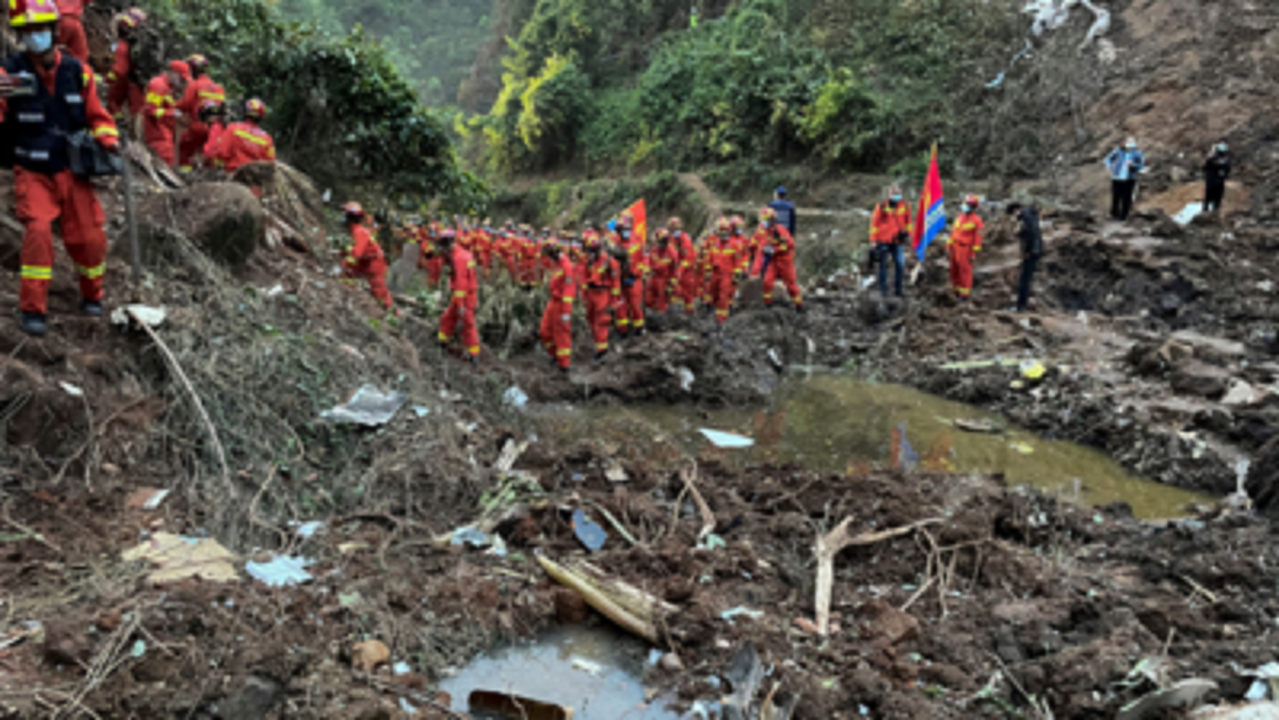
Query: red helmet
(447, 235)
(180, 67)
(198, 62)
(768, 214)
(24, 13)
(737, 221)
(973, 201)
(592, 240)
(663, 234)
(676, 223)
(723, 226)
(255, 109)
(353, 210)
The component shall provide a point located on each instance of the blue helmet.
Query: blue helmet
(781, 190)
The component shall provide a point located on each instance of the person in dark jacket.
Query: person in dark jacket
(1032, 248)
(1216, 172)
(786, 215)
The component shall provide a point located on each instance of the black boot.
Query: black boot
(564, 371)
(799, 308)
(33, 324)
(599, 355)
(91, 308)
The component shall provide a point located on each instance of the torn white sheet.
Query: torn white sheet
(368, 406)
(1188, 213)
(726, 440)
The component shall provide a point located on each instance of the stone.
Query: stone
(369, 655)
(886, 624)
(225, 220)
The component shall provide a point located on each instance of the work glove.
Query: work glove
(566, 318)
(768, 250)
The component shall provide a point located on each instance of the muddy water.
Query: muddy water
(837, 423)
(596, 671)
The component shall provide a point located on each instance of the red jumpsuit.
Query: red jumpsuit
(665, 263)
(756, 242)
(526, 255)
(506, 250)
(630, 313)
(160, 120)
(431, 260)
(780, 265)
(71, 29)
(963, 245)
(603, 292)
(197, 133)
(45, 189)
(123, 93)
(686, 291)
(463, 301)
(367, 261)
(724, 262)
(242, 143)
(557, 329)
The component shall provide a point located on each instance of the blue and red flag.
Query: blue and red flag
(932, 209)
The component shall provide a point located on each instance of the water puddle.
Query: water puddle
(838, 423)
(595, 671)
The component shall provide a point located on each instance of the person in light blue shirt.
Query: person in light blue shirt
(786, 214)
(1124, 166)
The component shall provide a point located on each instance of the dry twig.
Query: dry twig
(830, 544)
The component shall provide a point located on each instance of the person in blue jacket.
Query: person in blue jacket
(1125, 165)
(785, 210)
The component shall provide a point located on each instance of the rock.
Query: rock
(670, 662)
(369, 655)
(1200, 380)
(886, 624)
(1165, 227)
(1262, 483)
(1240, 393)
(225, 220)
(253, 701)
(109, 621)
(570, 608)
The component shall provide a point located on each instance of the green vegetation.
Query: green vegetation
(340, 110)
(433, 42)
(593, 85)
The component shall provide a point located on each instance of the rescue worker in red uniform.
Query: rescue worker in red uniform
(603, 291)
(891, 226)
(527, 258)
(245, 142)
(686, 289)
(64, 102)
(663, 262)
(123, 90)
(431, 258)
(71, 29)
(213, 114)
(464, 287)
(631, 256)
(364, 258)
(200, 90)
(724, 262)
(962, 247)
(161, 110)
(557, 322)
(776, 260)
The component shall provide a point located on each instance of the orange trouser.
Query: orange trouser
(557, 335)
(41, 199)
(631, 312)
(688, 288)
(454, 316)
(434, 266)
(722, 289)
(658, 295)
(782, 267)
(598, 304)
(71, 36)
(159, 137)
(961, 270)
(375, 272)
(192, 143)
(510, 268)
(527, 272)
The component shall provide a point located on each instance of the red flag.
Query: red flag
(639, 214)
(931, 220)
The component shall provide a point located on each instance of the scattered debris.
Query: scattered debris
(632, 609)
(588, 532)
(515, 397)
(978, 426)
(726, 440)
(71, 390)
(1241, 394)
(179, 558)
(744, 673)
(505, 705)
(686, 378)
(280, 570)
(152, 316)
(614, 472)
(1023, 448)
(590, 667)
(369, 407)
(1188, 213)
(369, 655)
(739, 611)
(1185, 694)
(146, 498)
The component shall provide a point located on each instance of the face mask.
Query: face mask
(896, 199)
(1221, 147)
(38, 42)
(1132, 146)
(626, 234)
(966, 208)
(768, 224)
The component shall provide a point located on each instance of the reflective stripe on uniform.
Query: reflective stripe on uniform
(93, 273)
(35, 272)
(563, 353)
(251, 137)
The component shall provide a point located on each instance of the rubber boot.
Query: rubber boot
(33, 324)
(91, 308)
